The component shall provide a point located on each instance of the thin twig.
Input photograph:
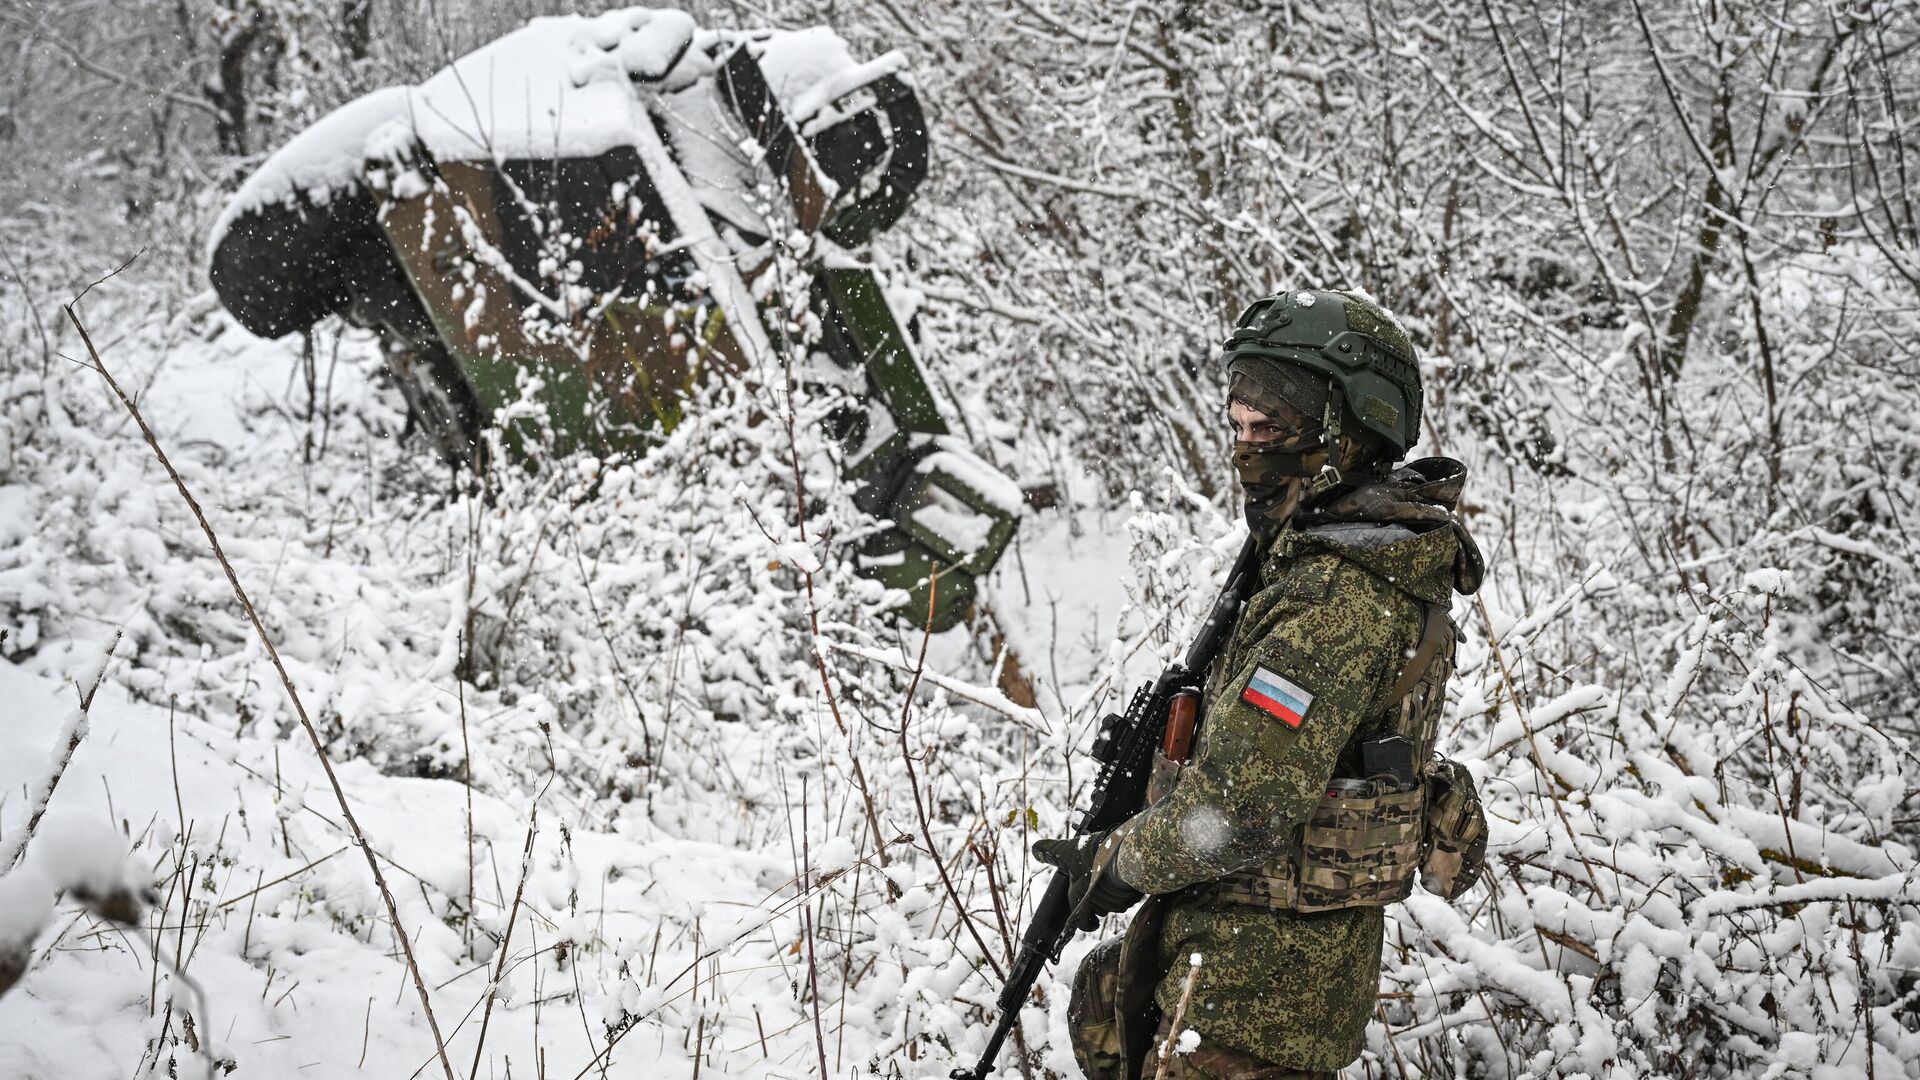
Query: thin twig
(806, 921)
(256, 890)
(466, 781)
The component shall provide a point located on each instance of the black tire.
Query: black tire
(441, 403)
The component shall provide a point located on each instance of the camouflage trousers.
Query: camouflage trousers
(1094, 1020)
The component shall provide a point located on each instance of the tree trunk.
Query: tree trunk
(1686, 307)
(356, 28)
(228, 89)
(1179, 85)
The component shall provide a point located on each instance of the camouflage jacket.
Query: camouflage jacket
(1338, 609)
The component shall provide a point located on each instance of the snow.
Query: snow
(1205, 830)
(319, 163)
(234, 827)
(297, 983)
(562, 86)
(711, 147)
(834, 84)
(955, 459)
(837, 854)
(26, 903)
(85, 853)
(559, 87)
(953, 521)
(696, 231)
(797, 62)
(71, 730)
(1703, 858)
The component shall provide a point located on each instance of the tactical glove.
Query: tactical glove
(1088, 864)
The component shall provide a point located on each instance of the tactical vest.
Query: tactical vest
(1364, 844)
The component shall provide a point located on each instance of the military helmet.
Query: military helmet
(1343, 337)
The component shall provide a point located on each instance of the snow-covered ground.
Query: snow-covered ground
(659, 779)
(676, 910)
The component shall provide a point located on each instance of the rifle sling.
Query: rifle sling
(1433, 632)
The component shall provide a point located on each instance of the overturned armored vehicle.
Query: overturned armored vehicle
(602, 203)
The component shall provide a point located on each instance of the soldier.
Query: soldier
(1314, 797)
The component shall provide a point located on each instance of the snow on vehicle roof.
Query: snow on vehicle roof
(560, 86)
(321, 162)
(557, 87)
(808, 69)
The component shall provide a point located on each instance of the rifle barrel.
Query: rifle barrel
(1041, 941)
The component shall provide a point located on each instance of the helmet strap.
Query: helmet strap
(1329, 476)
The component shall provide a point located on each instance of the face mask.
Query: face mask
(1277, 475)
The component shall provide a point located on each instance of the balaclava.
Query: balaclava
(1279, 476)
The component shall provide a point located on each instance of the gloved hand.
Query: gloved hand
(1088, 864)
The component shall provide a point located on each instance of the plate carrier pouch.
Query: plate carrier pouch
(1456, 831)
(1368, 839)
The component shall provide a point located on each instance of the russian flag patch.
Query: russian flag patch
(1277, 696)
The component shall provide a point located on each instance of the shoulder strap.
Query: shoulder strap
(1433, 632)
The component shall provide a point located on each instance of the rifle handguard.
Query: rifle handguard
(1162, 717)
(1183, 716)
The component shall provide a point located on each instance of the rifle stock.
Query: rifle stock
(1125, 750)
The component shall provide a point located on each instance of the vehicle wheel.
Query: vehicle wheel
(441, 403)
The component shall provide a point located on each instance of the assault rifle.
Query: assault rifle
(1162, 715)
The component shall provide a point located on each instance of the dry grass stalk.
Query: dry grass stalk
(74, 732)
(466, 781)
(1179, 1017)
(506, 938)
(919, 805)
(286, 681)
(806, 926)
